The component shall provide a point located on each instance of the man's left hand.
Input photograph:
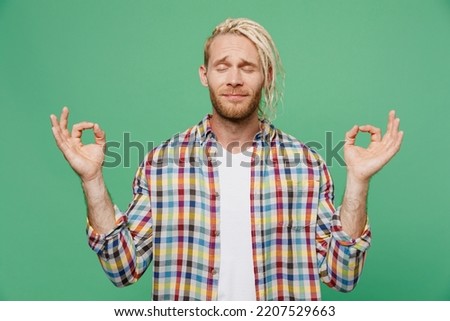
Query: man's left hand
(363, 163)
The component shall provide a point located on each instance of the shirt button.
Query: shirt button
(216, 233)
(217, 195)
(214, 271)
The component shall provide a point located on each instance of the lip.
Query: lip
(235, 97)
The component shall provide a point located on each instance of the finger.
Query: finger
(61, 140)
(391, 117)
(64, 118)
(99, 135)
(54, 120)
(77, 129)
(398, 140)
(393, 123)
(350, 136)
(392, 129)
(375, 132)
(56, 129)
(396, 125)
(393, 145)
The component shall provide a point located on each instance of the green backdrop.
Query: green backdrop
(132, 67)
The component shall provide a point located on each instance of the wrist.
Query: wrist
(93, 180)
(357, 185)
(357, 177)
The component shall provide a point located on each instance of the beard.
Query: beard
(235, 111)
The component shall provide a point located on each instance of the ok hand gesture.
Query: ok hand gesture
(86, 160)
(361, 162)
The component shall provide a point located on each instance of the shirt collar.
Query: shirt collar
(204, 131)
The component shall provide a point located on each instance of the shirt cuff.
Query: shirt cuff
(97, 240)
(361, 243)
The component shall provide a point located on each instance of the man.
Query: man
(233, 208)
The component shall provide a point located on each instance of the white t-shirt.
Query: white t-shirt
(236, 276)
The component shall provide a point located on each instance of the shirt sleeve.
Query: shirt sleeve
(126, 251)
(340, 257)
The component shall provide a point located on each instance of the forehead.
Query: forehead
(233, 47)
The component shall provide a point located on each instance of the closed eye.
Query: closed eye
(221, 68)
(248, 69)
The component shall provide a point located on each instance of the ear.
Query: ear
(202, 73)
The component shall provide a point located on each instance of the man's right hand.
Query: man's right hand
(86, 160)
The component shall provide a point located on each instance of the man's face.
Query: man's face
(234, 77)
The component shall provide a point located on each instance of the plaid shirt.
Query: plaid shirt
(174, 221)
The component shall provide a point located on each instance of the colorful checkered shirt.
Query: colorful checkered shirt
(174, 219)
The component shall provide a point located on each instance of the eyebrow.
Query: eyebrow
(220, 61)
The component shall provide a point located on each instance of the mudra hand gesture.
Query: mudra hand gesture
(86, 160)
(363, 163)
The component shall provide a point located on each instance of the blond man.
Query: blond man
(233, 208)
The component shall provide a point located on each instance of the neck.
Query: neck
(235, 135)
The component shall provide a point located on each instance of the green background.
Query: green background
(132, 67)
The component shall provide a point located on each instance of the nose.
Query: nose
(234, 78)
